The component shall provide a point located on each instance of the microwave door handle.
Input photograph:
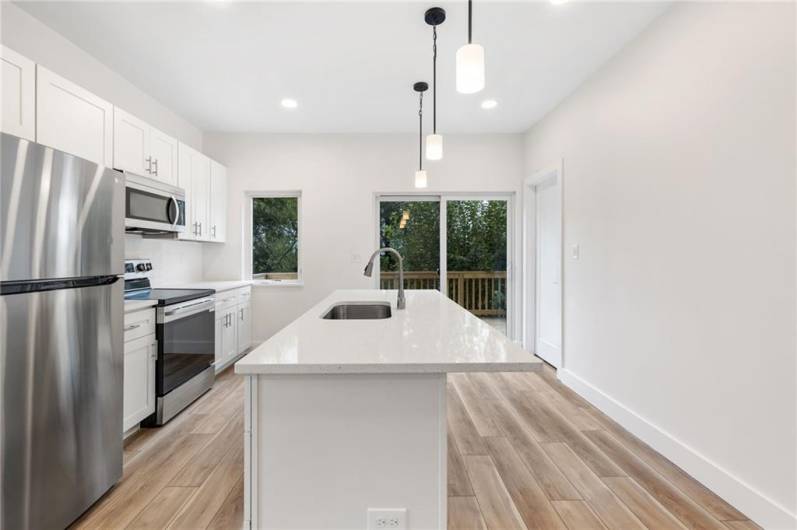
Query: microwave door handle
(173, 201)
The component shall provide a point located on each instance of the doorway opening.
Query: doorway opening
(459, 244)
(542, 250)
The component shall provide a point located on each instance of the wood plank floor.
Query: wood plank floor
(525, 452)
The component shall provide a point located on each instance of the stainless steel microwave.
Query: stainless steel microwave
(153, 207)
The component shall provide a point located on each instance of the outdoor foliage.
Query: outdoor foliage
(275, 235)
(476, 235)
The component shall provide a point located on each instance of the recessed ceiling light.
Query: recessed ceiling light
(558, 2)
(289, 103)
(488, 104)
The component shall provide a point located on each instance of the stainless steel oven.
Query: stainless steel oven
(186, 353)
(153, 207)
(187, 341)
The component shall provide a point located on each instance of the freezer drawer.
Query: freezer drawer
(62, 358)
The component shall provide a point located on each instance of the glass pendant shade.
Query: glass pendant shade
(470, 69)
(434, 147)
(421, 179)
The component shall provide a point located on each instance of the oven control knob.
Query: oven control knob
(141, 267)
(149, 266)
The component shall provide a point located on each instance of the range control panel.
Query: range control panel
(137, 268)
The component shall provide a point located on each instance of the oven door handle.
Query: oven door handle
(188, 310)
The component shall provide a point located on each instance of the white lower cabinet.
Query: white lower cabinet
(244, 326)
(233, 325)
(140, 355)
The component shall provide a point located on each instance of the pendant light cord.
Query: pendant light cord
(434, 79)
(470, 20)
(420, 131)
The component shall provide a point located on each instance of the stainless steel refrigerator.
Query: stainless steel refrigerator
(61, 296)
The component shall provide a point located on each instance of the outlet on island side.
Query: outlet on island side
(387, 518)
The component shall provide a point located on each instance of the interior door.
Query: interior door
(548, 342)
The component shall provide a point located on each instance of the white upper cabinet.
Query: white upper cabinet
(163, 150)
(142, 149)
(18, 76)
(218, 202)
(194, 176)
(72, 119)
(130, 143)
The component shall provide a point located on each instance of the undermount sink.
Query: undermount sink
(358, 311)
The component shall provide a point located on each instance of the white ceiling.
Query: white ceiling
(225, 66)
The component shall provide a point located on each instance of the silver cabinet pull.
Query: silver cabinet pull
(155, 164)
(148, 160)
(214, 231)
(242, 313)
(200, 229)
(131, 328)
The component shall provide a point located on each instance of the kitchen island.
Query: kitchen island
(343, 416)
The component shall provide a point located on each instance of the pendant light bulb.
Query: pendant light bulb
(421, 179)
(470, 69)
(470, 62)
(434, 147)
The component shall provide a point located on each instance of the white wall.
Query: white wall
(679, 179)
(338, 176)
(27, 35)
(173, 262)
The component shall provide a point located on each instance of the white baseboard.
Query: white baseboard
(734, 490)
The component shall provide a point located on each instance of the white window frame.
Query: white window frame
(247, 237)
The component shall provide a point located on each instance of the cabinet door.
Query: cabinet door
(72, 119)
(18, 77)
(218, 202)
(184, 180)
(244, 327)
(219, 347)
(230, 340)
(139, 380)
(200, 175)
(163, 149)
(130, 143)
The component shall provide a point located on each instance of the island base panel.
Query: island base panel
(322, 449)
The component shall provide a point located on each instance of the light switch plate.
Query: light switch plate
(575, 251)
(387, 518)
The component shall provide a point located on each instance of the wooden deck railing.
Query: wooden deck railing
(483, 293)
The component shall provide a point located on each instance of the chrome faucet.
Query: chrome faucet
(369, 269)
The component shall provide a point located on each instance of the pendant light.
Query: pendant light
(434, 142)
(421, 179)
(470, 62)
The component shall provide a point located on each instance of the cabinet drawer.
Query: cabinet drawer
(244, 294)
(139, 324)
(225, 300)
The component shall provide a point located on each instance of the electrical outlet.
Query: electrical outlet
(387, 518)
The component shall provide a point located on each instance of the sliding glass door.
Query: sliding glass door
(457, 244)
(476, 257)
(411, 226)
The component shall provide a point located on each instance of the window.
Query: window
(275, 237)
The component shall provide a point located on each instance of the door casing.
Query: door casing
(530, 300)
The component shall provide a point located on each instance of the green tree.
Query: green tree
(275, 235)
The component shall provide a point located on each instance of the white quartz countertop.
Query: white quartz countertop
(218, 286)
(135, 305)
(432, 335)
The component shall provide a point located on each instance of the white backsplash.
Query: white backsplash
(173, 262)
